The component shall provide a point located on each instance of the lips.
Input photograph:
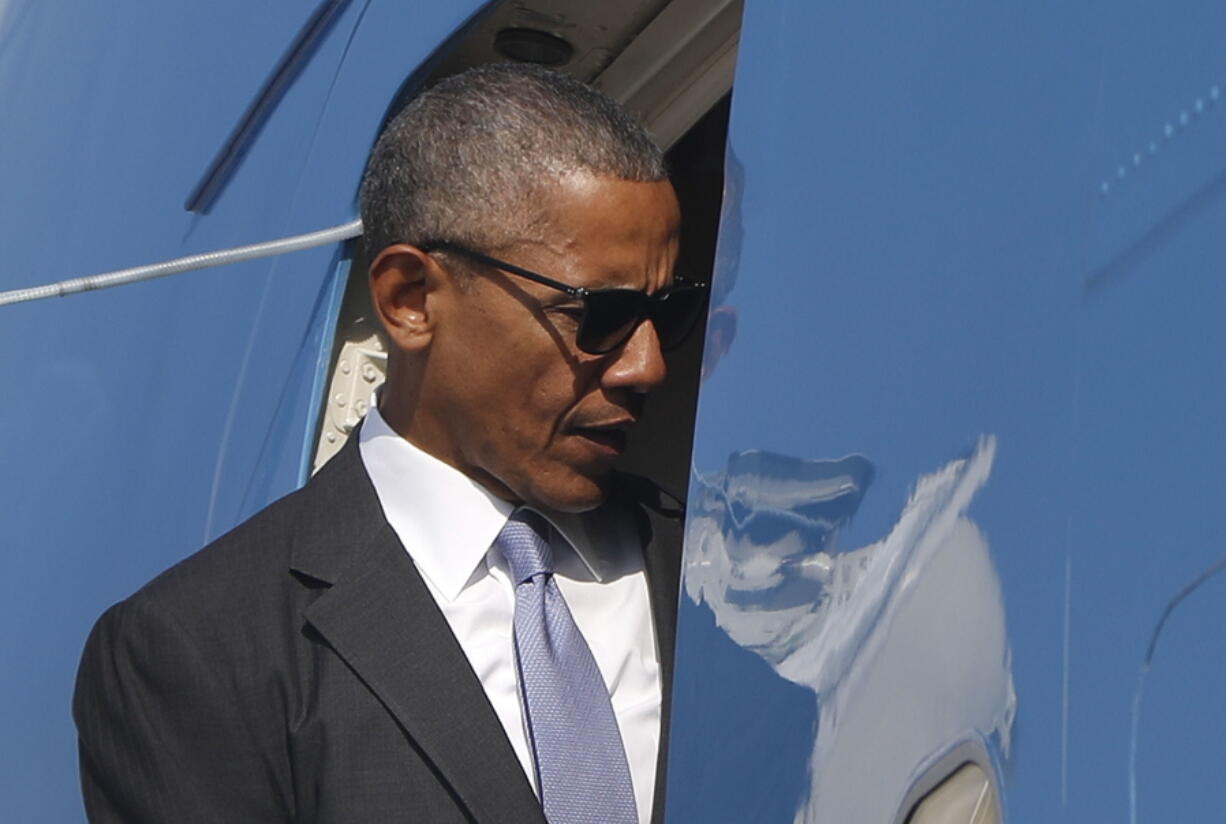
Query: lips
(608, 438)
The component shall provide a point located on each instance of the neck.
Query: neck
(402, 405)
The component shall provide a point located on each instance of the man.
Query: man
(466, 615)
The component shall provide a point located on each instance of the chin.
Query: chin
(577, 493)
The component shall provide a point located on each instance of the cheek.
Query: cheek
(535, 412)
(517, 388)
(516, 412)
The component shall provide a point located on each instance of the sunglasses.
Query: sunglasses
(610, 316)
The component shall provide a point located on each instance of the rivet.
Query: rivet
(330, 437)
(340, 399)
(345, 367)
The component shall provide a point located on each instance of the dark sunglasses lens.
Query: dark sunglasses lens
(674, 315)
(609, 319)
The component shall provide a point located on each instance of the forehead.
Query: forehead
(603, 231)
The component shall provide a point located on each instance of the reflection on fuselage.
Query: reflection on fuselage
(902, 641)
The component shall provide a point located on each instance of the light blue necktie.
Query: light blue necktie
(580, 761)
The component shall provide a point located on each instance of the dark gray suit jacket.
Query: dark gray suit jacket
(297, 669)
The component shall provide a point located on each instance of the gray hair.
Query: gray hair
(471, 159)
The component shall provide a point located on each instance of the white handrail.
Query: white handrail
(205, 260)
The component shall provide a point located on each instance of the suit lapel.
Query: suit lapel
(380, 618)
(661, 530)
(661, 557)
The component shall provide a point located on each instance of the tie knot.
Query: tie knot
(524, 545)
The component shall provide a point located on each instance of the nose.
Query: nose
(638, 364)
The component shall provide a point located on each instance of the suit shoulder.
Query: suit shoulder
(253, 559)
(264, 537)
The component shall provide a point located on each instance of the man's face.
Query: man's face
(518, 407)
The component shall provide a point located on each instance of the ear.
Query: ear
(403, 279)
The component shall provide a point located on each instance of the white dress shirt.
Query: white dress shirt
(448, 523)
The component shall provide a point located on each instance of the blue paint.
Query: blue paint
(944, 233)
(141, 421)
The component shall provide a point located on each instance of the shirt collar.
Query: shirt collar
(447, 521)
(599, 538)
